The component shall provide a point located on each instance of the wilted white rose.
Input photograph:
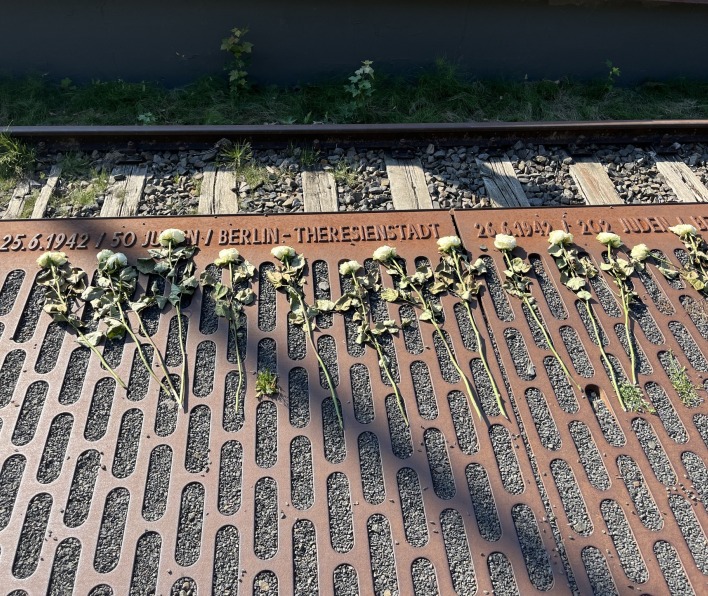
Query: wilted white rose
(504, 242)
(116, 261)
(282, 252)
(389, 294)
(48, 259)
(226, 256)
(171, 236)
(640, 252)
(104, 255)
(384, 253)
(609, 239)
(559, 238)
(349, 267)
(446, 243)
(683, 230)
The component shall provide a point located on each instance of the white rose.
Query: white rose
(349, 267)
(504, 242)
(226, 256)
(282, 252)
(683, 230)
(116, 261)
(384, 253)
(446, 243)
(171, 236)
(104, 255)
(559, 238)
(640, 252)
(52, 258)
(609, 239)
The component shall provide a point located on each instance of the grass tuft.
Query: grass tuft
(681, 382)
(16, 158)
(266, 384)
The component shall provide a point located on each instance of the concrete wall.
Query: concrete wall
(307, 40)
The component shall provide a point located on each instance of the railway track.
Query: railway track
(110, 492)
(181, 170)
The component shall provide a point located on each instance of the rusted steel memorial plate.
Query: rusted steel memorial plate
(108, 491)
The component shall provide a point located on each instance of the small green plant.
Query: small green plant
(681, 382)
(79, 196)
(231, 297)
(28, 206)
(517, 284)
(309, 156)
(289, 279)
(612, 75)
(458, 277)
(236, 155)
(74, 165)
(239, 49)
(361, 83)
(65, 286)
(173, 262)
(621, 271)
(267, 384)
(147, 118)
(16, 158)
(413, 290)
(343, 174)
(254, 175)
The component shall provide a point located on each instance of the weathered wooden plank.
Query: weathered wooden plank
(40, 206)
(319, 191)
(126, 192)
(225, 197)
(206, 194)
(503, 187)
(112, 204)
(17, 201)
(594, 183)
(408, 187)
(133, 191)
(681, 179)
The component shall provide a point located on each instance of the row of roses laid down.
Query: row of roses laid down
(575, 273)
(116, 313)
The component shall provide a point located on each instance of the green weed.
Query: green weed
(681, 382)
(236, 155)
(16, 157)
(343, 174)
(267, 384)
(28, 207)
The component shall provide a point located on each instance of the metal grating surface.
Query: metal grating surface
(120, 494)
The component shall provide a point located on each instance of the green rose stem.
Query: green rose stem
(532, 310)
(626, 298)
(80, 333)
(480, 348)
(379, 351)
(425, 303)
(608, 364)
(233, 327)
(178, 309)
(126, 325)
(323, 367)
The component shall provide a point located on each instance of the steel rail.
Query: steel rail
(661, 132)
